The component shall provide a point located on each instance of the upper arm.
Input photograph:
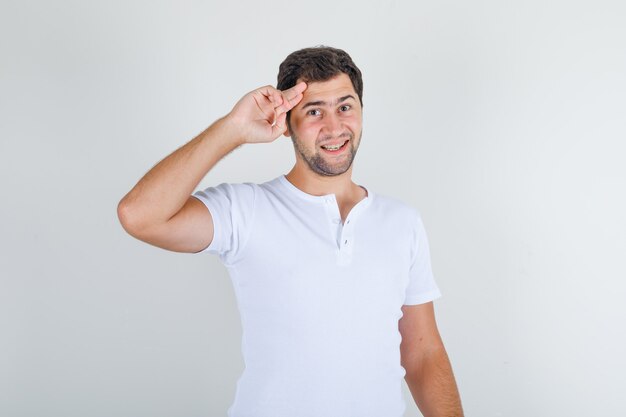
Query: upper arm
(419, 332)
(190, 230)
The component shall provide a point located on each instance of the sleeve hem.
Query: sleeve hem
(216, 226)
(422, 298)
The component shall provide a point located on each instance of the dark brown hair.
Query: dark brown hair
(319, 63)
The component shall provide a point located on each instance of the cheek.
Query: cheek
(302, 123)
(309, 129)
(354, 124)
(352, 119)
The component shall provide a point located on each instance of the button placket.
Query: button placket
(344, 253)
(346, 242)
(343, 234)
(334, 217)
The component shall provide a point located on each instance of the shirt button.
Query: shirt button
(345, 242)
(336, 221)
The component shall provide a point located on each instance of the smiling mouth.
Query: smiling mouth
(335, 149)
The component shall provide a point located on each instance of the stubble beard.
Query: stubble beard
(320, 164)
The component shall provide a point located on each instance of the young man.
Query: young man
(333, 281)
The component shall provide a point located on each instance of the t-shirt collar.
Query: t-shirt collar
(317, 198)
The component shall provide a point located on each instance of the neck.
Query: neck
(315, 184)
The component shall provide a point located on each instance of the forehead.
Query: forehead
(328, 90)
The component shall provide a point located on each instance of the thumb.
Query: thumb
(280, 126)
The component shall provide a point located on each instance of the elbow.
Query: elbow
(128, 218)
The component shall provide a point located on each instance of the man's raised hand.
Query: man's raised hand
(260, 116)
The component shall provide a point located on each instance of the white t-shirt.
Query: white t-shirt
(319, 300)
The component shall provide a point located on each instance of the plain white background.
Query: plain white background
(501, 121)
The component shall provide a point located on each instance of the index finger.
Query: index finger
(294, 91)
(291, 97)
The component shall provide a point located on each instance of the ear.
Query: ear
(288, 130)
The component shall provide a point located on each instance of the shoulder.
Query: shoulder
(393, 206)
(226, 197)
(246, 191)
(231, 188)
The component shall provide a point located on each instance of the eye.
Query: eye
(314, 112)
(345, 107)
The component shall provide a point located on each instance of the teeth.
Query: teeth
(333, 148)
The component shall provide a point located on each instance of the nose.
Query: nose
(332, 125)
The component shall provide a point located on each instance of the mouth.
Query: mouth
(335, 149)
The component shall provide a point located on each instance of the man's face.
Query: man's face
(328, 116)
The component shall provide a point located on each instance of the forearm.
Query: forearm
(433, 387)
(163, 190)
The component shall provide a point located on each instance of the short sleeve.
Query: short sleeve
(232, 209)
(422, 287)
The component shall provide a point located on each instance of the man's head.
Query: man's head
(329, 114)
(320, 63)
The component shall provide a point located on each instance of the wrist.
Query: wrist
(230, 130)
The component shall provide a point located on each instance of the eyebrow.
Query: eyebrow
(323, 103)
